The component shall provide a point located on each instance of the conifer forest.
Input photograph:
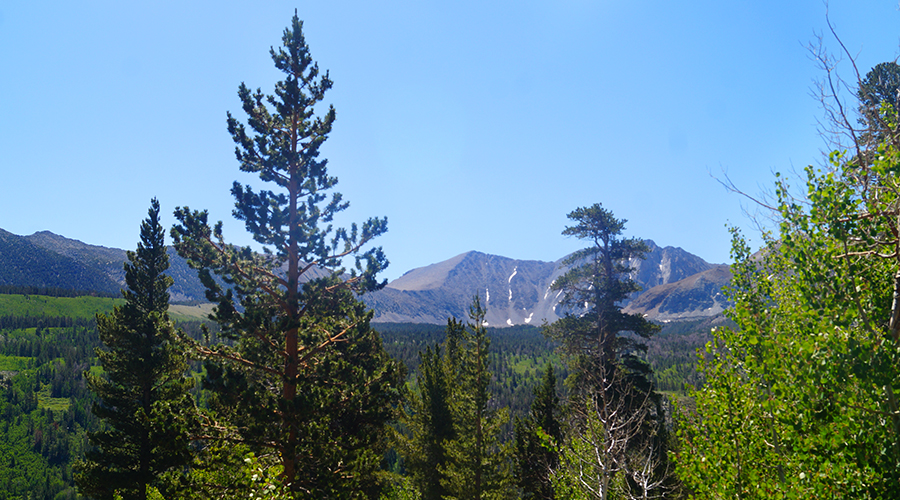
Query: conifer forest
(288, 390)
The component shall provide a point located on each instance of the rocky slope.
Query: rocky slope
(519, 291)
(697, 296)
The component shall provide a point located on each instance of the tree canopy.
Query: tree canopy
(800, 399)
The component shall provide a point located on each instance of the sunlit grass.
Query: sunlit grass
(13, 363)
(55, 404)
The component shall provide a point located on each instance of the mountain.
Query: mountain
(677, 285)
(45, 259)
(512, 291)
(666, 265)
(697, 296)
(518, 291)
(23, 263)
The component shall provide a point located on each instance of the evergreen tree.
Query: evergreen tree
(428, 422)
(306, 379)
(537, 437)
(479, 464)
(142, 392)
(451, 446)
(879, 101)
(604, 344)
(595, 287)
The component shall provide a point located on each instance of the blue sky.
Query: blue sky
(470, 125)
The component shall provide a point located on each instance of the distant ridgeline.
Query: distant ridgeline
(48, 264)
(677, 285)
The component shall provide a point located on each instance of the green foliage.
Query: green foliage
(52, 291)
(428, 422)
(142, 391)
(672, 353)
(800, 399)
(538, 437)
(68, 307)
(586, 471)
(614, 445)
(478, 465)
(43, 407)
(401, 488)
(303, 375)
(518, 358)
(13, 363)
(451, 433)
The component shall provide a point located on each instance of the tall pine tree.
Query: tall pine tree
(479, 463)
(306, 380)
(594, 288)
(428, 421)
(142, 392)
(604, 344)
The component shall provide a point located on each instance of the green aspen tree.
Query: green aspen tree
(801, 397)
(142, 391)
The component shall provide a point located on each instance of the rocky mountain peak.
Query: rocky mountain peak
(676, 284)
(512, 291)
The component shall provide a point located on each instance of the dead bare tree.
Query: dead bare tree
(611, 449)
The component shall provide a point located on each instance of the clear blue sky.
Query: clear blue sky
(470, 125)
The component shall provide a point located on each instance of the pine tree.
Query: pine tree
(451, 444)
(537, 437)
(879, 103)
(306, 379)
(604, 345)
(595, 287)
(142, 392)
(428, 422)
(479, 464)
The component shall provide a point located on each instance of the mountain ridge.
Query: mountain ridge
(515, 291)
(676, 284)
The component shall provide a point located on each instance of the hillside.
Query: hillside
(696, 296)
(45, 259)
(23, 263)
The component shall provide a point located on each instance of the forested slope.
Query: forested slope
(46, 344)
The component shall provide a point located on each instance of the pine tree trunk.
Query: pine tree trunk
(291, 343)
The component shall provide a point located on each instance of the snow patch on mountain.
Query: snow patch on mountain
(436, 292)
